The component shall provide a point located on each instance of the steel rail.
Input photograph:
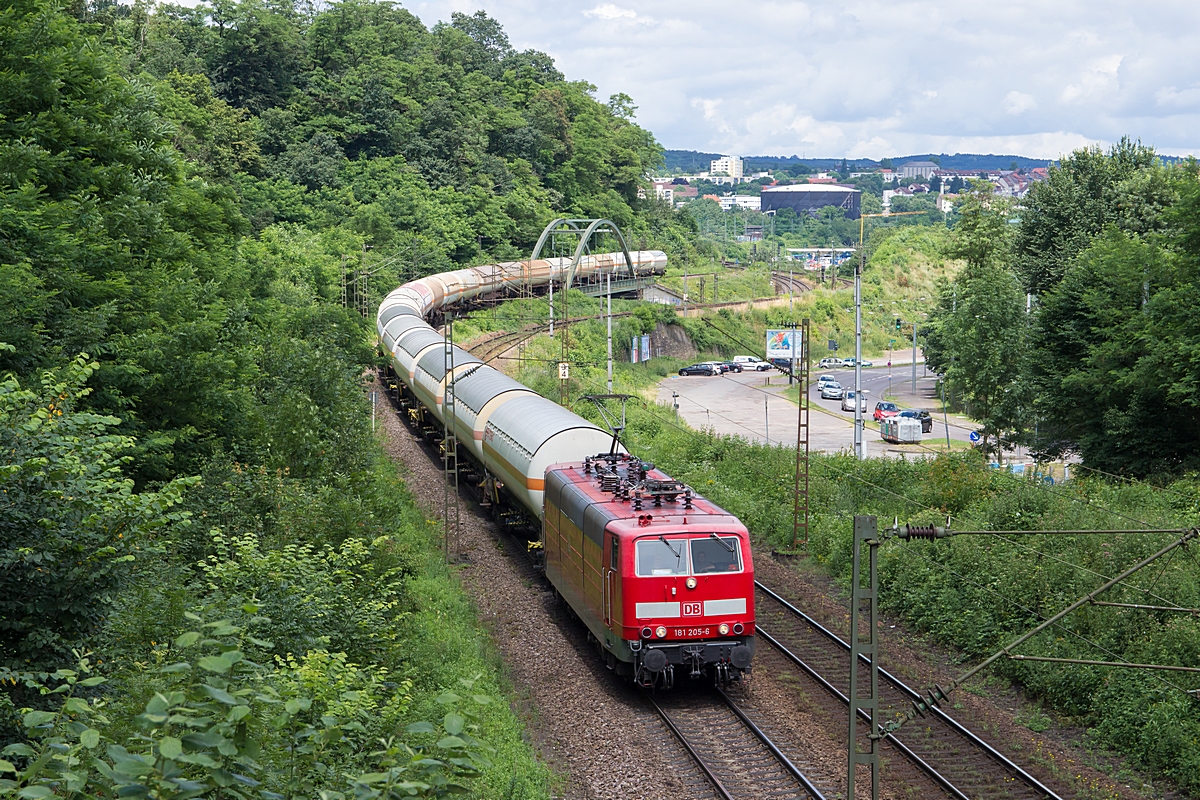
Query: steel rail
(925, 767)
(691, 751)
(784, 761)
(914, 695)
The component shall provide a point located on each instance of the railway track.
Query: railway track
(958, 761)
(737, 757)
(495, 345)
(785, 282)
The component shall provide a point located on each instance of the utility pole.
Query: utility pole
(551, 302)
(859, 451)
(914, 359)
(766, 419)
(608, 288)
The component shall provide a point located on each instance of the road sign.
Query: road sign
(975, 436)
(564, 370)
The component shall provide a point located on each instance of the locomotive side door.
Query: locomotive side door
(611, 572)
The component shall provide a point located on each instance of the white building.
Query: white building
(747, 201)
(727, 165)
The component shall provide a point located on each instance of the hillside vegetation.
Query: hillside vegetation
(213, 581)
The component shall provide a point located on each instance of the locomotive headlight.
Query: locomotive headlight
(723, 629)
(738, 628)
(647, 632)
(661, 631)
(691, 583)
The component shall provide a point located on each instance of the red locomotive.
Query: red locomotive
(662, 577)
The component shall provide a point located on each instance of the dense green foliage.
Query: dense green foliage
(179, 190)
(1105, 364)
(979, 341)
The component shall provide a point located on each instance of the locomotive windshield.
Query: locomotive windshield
(664, 556)
(716, 554)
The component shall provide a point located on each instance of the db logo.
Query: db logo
(691, 609)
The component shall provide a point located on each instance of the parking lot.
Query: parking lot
(745, 404)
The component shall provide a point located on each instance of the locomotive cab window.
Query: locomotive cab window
(662, 556)
(716, 554)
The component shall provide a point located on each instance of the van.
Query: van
(752, 362)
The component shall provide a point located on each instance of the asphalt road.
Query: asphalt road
(745, 404)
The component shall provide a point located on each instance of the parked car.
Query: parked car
(830, 363)
(719, 366)
(731, 366)
(752, 362)
(884, 409)
(700, 369)
(831, 391)
(848, 400)
(782, 364)
(848, 363)
(923, 417)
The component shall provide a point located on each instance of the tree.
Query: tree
(978, 334)
(1063, 213)
(1116, 339)
(70, 522)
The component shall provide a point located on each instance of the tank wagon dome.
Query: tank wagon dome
(529, 433)
(390, 312)
(477, 387)
(532, 421)
(397, 326)
(409, 346)
(434, 361)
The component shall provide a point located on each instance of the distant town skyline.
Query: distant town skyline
(866, 79)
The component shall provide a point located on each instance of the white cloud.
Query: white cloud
(1171, 96)
(864, 78)
(614, 13)
(1018, 102)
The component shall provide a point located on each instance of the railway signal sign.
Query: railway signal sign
(564, 370)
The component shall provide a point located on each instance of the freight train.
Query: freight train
(662, 578)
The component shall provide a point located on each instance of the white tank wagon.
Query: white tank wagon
(430, 375)
(477, 393)
(513, 433)
(529, 433)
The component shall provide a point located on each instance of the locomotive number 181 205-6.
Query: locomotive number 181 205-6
(692, 632)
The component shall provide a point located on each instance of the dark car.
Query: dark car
(700, 369)
(731, 366)
(924, 416)
(884, 409)
(782, 364)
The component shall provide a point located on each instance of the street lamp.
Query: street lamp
(859, 448)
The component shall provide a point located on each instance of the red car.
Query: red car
(883, 410)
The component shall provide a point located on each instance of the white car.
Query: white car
(848, 401)
(831, 391)
(752, 362)
(824, 379)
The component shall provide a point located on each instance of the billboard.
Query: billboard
(635, 350)
(645, 348)
(784, 343)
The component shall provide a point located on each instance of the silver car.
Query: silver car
(848, 401)
(831, 391)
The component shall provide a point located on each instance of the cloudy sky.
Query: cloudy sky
(867, 79)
